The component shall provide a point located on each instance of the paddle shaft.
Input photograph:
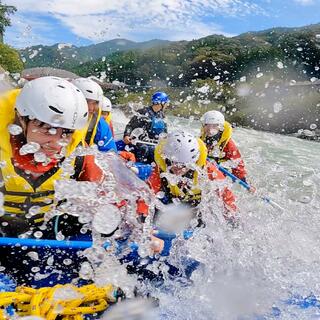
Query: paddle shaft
(63, 244)
(247, 186)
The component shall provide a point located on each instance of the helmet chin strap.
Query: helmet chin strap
(211, 139)
(23, 122)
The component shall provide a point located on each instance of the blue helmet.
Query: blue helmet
(160, 97)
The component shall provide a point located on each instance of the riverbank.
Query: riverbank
(265, 105)
(236, 118)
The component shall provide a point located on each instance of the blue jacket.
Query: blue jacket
(145, 170)
(153, 124)
(103, 138)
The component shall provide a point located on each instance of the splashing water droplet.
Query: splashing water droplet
(33, 255)
(34, 210)
(259, 75)
(15, 129)
(40, 157)
(280, 65)
(307, 183)
(60, 236)
(204, 89)
(63, 142)
(31, 147)
(277, 107)
(52, 131)
(313, 126)
(66, 293)
(86, 271)
(107, 219)
(67, 262)
(38, 234)
(305, 199)
(50, 261)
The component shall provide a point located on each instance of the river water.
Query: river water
(273, 255)
(259, 270)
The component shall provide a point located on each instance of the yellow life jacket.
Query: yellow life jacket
(175, 191)
(108, 118)
(219, 147)
(91, 128)
(21, 192)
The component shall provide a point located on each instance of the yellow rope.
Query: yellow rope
(42, 302)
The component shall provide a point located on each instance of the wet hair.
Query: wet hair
(41, 124)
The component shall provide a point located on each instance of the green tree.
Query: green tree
(10, 59)
(5, 11)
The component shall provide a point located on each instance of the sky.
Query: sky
(83, 22)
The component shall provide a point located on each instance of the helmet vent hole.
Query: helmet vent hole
(85, 114)
(192, 150)
(178, 140)
(78, 90)
(61, 86)
(90, 91)
(54, 109)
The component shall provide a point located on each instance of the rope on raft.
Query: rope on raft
(45, 302)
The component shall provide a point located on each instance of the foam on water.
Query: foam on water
(273, 254)
(244, 271)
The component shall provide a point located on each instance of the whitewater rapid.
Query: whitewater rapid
(274, 254)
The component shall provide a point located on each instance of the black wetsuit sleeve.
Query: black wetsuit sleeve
(130, 126)
(136, 122)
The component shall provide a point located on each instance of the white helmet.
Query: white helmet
(90, 89)
(106, 104)
(181, 147)
(213, 117)
(54, 101)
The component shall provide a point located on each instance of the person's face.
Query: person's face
(159, 106)
(105, 113)
(178, 169)
(49, 138)
(93, 106)
(211, 130)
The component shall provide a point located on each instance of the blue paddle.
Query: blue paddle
(247, 186)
